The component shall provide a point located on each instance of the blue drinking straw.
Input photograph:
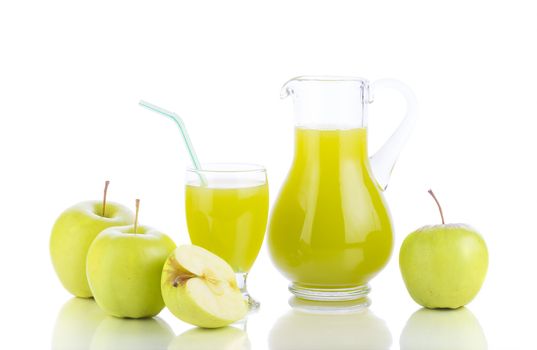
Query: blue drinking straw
(179, 122)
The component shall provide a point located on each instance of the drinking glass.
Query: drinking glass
(226, 211)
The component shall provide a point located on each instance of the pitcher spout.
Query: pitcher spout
(287, 88)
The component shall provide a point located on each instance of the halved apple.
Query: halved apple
(200, 288)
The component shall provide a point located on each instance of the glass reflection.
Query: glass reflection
(443, 329)
(82, 325)
(226, 338)
(320, 328)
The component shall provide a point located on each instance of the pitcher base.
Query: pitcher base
(328, 294)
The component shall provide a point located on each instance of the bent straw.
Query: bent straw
(179, 122)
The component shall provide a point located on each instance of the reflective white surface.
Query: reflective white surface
(80, 324)
(309, 331)
(72, 72)
(443, 330)
(227, 338)
(76, 324)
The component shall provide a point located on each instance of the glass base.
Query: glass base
(253, 305)
(329, 294)
(330, 307)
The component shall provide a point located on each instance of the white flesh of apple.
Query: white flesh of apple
(197, 275)
(223, 301)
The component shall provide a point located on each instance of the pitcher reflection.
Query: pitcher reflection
(443, 329)
(297, 330)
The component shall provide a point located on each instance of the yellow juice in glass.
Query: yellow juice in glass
(229, 220)
(330, 227)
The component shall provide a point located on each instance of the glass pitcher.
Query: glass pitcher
(330, 230)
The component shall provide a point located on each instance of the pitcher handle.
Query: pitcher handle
(383, 161)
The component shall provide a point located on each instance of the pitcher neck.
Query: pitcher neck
(329, 102)
(330, 145)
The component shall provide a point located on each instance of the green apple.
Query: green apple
(124, 265)
(200, 288)
(72, 234)
(443, 266)
(225, 338)
(76, 324)
(118, 334)
(443, 330)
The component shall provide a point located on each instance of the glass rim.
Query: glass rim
(227, 168)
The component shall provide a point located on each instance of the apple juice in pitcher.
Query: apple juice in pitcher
(330, 230)
(346, 217)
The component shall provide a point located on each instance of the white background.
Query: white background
(71, 74)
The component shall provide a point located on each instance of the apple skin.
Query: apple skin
(72, 234)
(124, 270)
(443, 266)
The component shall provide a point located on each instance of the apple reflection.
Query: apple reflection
(76, 323)
(443, 329)
(298, 329)
(226, 338)
(82, 325)
(116, 333)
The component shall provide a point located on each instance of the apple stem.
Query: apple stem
(106, 183)
(438, 204)
(136, 215)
